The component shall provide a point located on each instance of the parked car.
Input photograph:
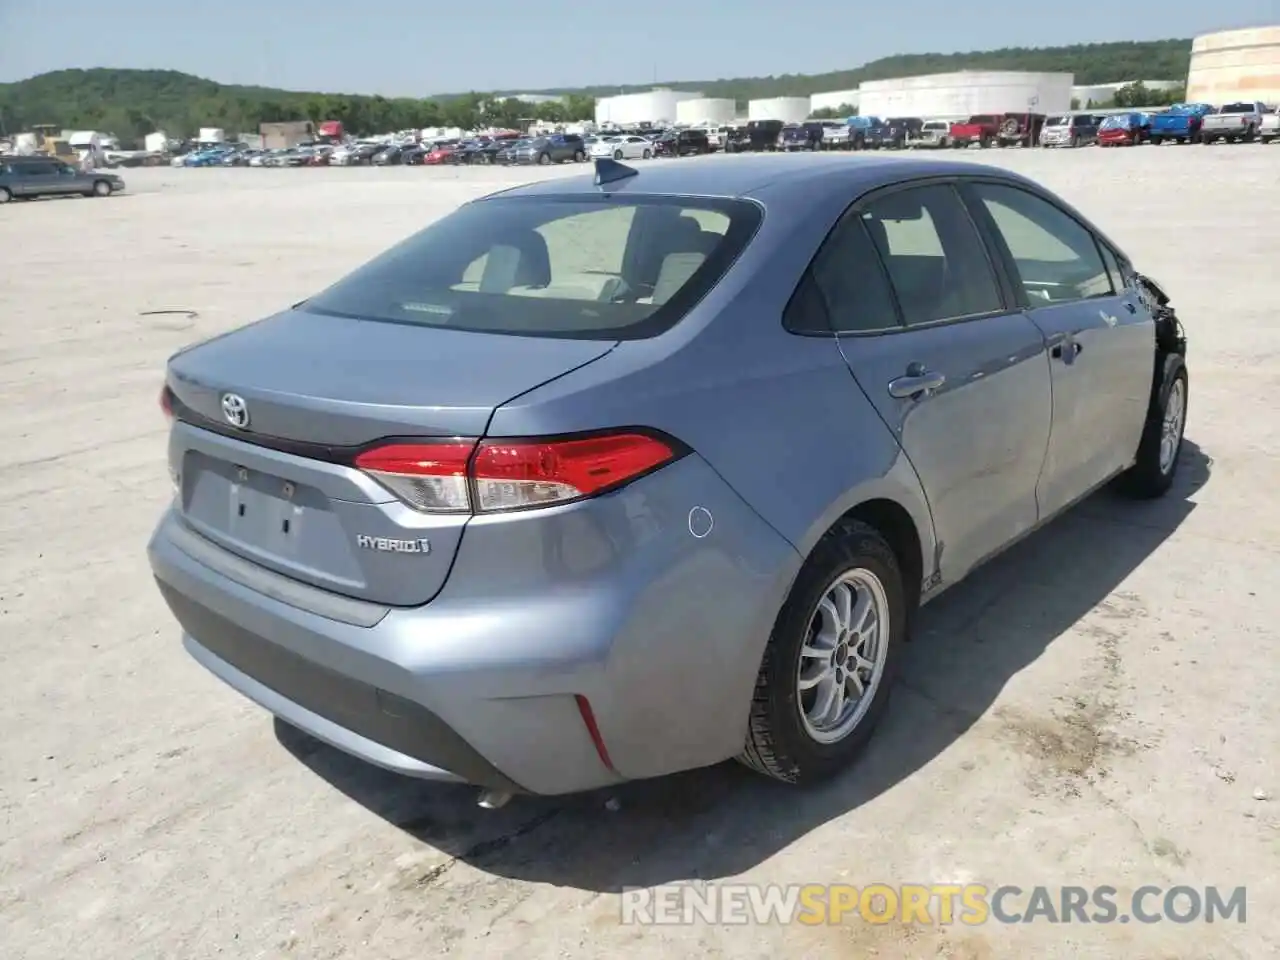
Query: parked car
(440, 153)
(487, 151)
(837, 135)
(1179, 124)
(659, 571)
(801, 136)
(681, 143)
(627, 147)
(1234, 123)
(556, 148)
(932, 135)
(891, 134)
(763, 135)
(1020, 129)
(982, 129)
(414, 155)
(1124, 130)
(1270, 129)
(389, 156)
(25, 178)
(1070, 130)
(736, 140)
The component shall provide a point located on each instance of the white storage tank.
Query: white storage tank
(1235, 65)
(834, 100)
(966, 93)
(706, 110)
(786, 109)
(212, 135)
(654, 106)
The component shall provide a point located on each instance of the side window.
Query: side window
(848, 275)
(1118, 279)
(1057, 258)
(935, 259)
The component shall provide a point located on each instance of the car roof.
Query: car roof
(751, 176)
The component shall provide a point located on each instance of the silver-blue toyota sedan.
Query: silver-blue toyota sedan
(609, 477)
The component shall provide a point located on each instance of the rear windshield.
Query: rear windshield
(1237, 108)
(582, 267)
(1063, 120)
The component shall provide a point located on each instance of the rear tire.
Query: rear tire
(648, 155)
(784, 741)
(579, 156)
(1152, 473)
(617, 155)
(544, 159)
(5, 195)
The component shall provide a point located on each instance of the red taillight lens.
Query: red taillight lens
(459, 476)
(428, 476)
(166, 402)
(510, 474)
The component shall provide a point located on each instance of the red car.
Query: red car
(1124, 130)
(441, 154)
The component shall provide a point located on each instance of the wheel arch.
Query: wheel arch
(895, 523)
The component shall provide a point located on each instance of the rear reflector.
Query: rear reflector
(457, 476)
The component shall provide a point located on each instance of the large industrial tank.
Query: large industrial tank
(786, 109)
(653, 106)
(708, 110)
(966, 93)
(1235, 65)
(834, 100)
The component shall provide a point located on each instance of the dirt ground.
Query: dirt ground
(1096, 707)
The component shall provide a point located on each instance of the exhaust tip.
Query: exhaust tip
(493, 799)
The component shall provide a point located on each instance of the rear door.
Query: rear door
(957, 372)
(35, 179)
(1100, 337)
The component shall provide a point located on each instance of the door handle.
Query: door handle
(1128, 305)
(918, 382)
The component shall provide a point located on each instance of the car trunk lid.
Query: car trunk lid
(280, 489)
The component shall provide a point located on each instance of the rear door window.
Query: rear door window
(936, 261)
(582, 267)
(851, 283)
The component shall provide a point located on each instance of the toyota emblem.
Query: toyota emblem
(235, 410)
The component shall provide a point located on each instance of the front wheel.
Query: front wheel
(101, 188)
(579, 156)
(5, 195)
(828, 667)
(544, 158)
(648, 155)
(617, 155)
(1153, 471)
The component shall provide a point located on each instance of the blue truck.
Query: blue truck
(1180, 123)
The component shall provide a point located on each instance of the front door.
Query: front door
(1099, 334)
(956, 371)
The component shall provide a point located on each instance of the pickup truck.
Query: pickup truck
(982, 129)
(892, 134)
(1233, 122)
(1180, 123)
(802, 136)
(1270, 129)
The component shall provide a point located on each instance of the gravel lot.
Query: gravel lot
(1096, 707)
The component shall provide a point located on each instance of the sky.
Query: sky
(422, 47)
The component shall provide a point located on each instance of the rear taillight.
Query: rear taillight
(166, 402)
(462, 476)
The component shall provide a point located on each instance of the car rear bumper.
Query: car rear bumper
(659, 631)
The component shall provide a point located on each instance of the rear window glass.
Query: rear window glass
(593, 267)
(1237, 108)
